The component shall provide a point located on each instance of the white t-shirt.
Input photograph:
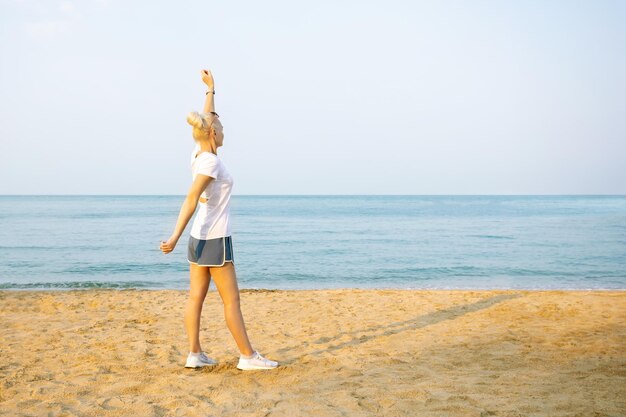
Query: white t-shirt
(213, 217)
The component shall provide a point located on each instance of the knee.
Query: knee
(232, 302)
(196, 298)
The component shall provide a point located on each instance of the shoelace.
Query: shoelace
(264, 360)
(203, 357)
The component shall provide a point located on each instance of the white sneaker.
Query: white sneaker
(198, 361)
(256, 362)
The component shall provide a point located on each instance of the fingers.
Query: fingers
(165, 248)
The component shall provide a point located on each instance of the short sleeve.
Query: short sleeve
(208, 164)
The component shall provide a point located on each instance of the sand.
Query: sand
(341, 353)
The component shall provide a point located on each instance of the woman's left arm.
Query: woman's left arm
(209, 102)
(186, 211)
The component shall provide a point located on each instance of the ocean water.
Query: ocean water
(317, 242)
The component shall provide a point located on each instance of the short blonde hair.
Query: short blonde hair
(201, 124)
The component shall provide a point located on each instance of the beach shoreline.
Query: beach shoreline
(360, 352)
(213, 288)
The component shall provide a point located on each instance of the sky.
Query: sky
(324, 97)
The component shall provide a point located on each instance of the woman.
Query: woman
(210, 251)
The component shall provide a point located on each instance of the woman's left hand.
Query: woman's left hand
(207, 78)
(169, 246)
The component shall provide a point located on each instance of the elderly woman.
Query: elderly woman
(210, 250)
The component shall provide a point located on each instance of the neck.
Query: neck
(207, 147)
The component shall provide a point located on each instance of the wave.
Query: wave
(85, 285)
(122, 267)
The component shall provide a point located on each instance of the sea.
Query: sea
(533, 242)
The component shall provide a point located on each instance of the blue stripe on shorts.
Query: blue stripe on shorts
(210, 252)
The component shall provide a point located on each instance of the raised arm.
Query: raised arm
(209, 102)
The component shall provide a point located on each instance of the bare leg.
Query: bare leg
(225, 279)
(200, 279)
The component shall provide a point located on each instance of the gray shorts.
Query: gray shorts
(210, 252)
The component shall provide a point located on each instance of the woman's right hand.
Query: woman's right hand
(207, 78)
(167, 247)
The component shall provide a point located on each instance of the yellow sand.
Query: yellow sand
(341, 352)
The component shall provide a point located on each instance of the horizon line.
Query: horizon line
(314, 195)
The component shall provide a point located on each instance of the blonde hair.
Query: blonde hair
(201, 123)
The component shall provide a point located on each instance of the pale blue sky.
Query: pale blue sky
(324, 97)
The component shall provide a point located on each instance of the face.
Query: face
(219, 132)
